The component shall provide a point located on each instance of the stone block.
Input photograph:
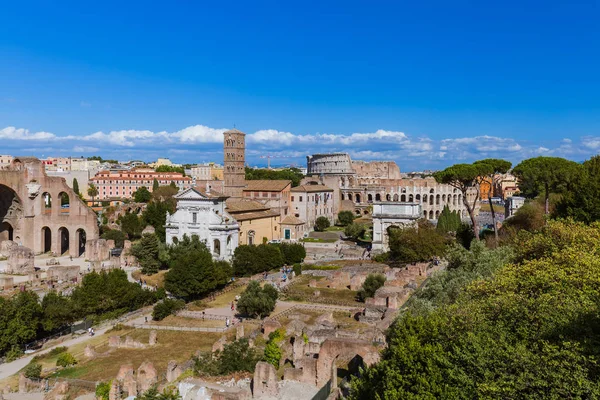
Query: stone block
(152, 338)
(20, 261)
(89, 352)
(293, 374)
(265, 380)
(174, 371)
(239, 332)
(7, 282)
(146, 376)
(114, 341)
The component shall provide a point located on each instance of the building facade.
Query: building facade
(124, 183)
(204, 214)
(357, 185)
(5, 160)
(512, 204)
(311, 201)
(234, 173)
(274, 194)
(392, 214)
(207, 172)
(257, 222)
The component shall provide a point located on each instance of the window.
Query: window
(194, 218)
(292, 198)
(300, 199)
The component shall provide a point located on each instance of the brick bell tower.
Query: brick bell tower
(234, 174)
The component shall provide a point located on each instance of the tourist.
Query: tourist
(227, 322)
(232, 306)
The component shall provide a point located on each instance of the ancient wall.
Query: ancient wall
(377, 169)
(31, 213)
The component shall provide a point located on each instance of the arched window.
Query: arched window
(357, 197)
(377, 197)
(217, 248)
(403, 198)
(251, 237)
(410, 198)
(369, 197)
(81, 238)
(388, 197)
(65, 203)
(47, 203)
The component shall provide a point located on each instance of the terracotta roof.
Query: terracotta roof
(234, 206)
(255, 215)
(291, 220)
(268, 185)
(312, 188)
(213, 193)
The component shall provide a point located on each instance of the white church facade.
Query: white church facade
(203, 214)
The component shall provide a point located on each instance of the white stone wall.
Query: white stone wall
(391, 214)
(308, 206)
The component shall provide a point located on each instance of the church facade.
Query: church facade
(204, 214)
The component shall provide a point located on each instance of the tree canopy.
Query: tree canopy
(466, 177)
(256, 301)
(345, 218)
(416, 244)
(491, 328)
(192, 270)
(321, 224)
(545, 175)
(292, 174)
(142, 195)
(250, 259)
(582, 202)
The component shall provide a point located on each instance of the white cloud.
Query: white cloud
(591, 142)
(85, 149)
(12, 133)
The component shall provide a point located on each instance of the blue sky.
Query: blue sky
(427, 84)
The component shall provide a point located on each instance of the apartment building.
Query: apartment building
(122, 183)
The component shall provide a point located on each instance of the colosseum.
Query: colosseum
(357, 184)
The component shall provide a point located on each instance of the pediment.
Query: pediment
(190, 194)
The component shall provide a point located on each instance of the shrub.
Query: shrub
(292, 253)
(273, 352)
(66, 360)
(33, 371)
(237, 356)
(298, 269)
(345, 218)
(57, 350)
(103, 390)
(165, 308)
(416, 244)
(354, 230)
(250, 260)
(372, 283)
(321, 224)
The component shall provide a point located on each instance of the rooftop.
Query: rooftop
(312, 188)
(239, 206)
(267, 185)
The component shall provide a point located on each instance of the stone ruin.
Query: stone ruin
(116, 342)
(98, 250)
(20, 260)
(7, 282)
(265, 380)
(268, 326)
(66, 273)
(131, 383)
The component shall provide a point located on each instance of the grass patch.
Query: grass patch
(157, 280)
(174, 320)
(317, 240)
(299, 290)
(498, 209)
(172, 345)
(334, 228)
(308, 267)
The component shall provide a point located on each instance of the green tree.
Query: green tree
(147, 252)
(345, 218)
(155, 215)
(292, 253)
(103, 390)
(292, 174)
(57, 311)
(321, 224)
(131, 225)
(116, 235)
(192, 272)
(416, 244)
(237, 356)
(273, 351)
(256, 301)
(546, 175)
(370, 286)
(496, 167)
(582, 202)
(33, 370)
(66, 360)
(92, 191)
(154, 184)
(250, 260)
(466, 178)
(76, 186)
(170, 168)
(448, 221)
(165, 308)
(355, 230)
(142, 195)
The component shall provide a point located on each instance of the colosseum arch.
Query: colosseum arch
(388, 197)
(369, 197)
(411, 198)
(425, 214)
(437, 214)
(437, 199)
(403, 198)
(424, 199)
(396, 197)
(377, 197)
(357, 198)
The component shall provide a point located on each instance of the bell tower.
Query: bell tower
(234, 162)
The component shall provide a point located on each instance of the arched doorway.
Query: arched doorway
(46, 239)
(377, 197)
(81, 238)
(430, 214)
(11, 213)
(425, 214)
(63, 240)
(357, 198)
(217, 248)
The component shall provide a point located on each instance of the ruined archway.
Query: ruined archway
(333, 348)
(63, 240)
(7, 232)
(11, 213)
(47, 203)
(81, 238)
(46, 240)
